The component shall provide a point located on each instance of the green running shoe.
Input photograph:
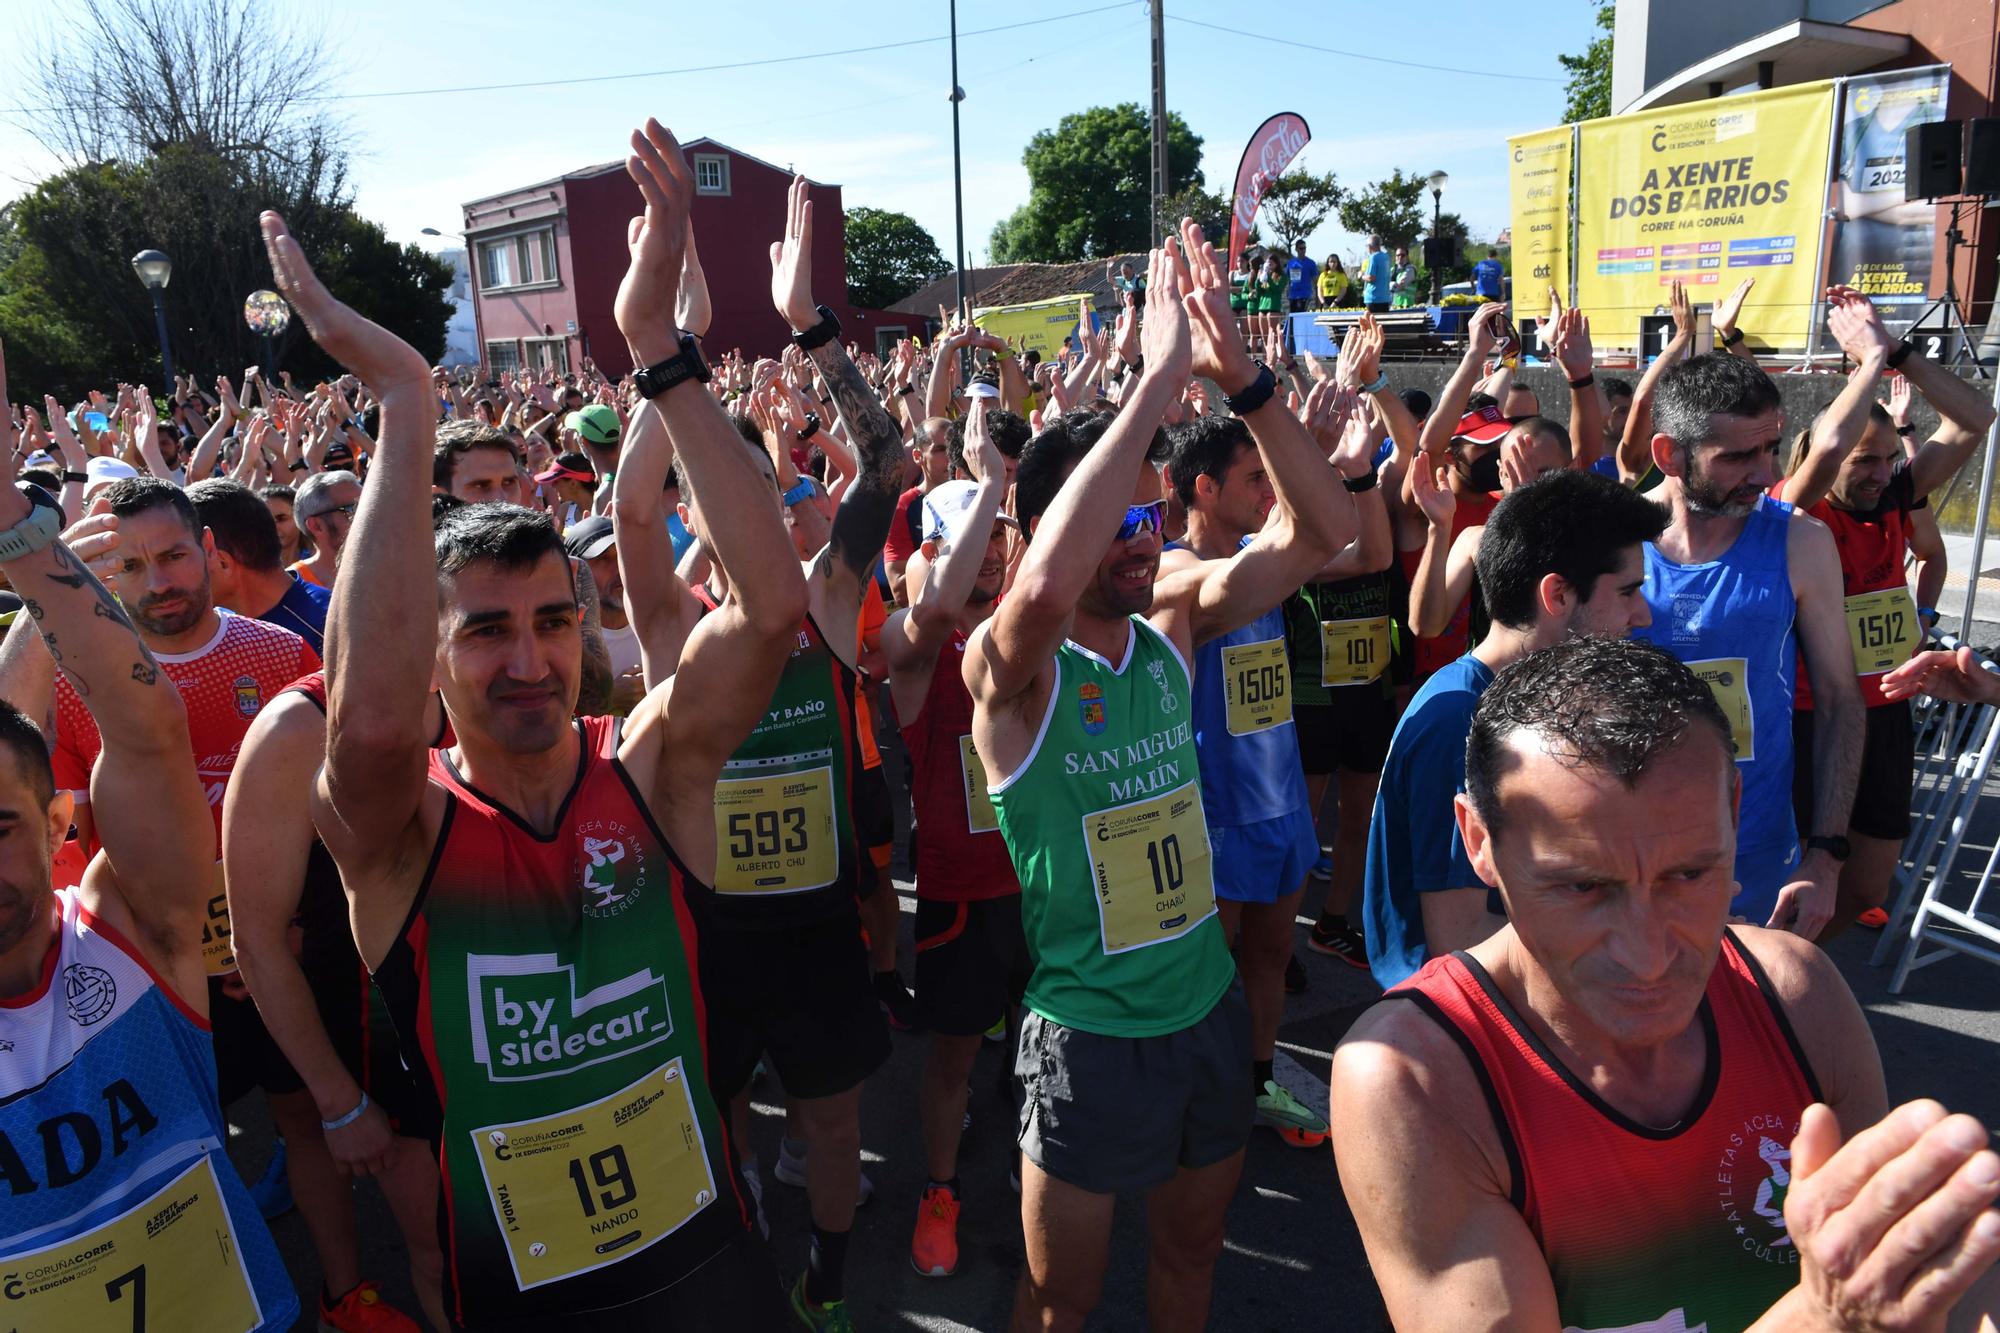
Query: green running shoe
(1277, 1107)
(828, 1318)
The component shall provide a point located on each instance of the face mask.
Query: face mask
(1484, 475)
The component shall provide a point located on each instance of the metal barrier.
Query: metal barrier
(1956, 747)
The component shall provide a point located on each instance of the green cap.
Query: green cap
(597, 424)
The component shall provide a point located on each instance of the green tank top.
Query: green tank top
(1105, 825)
(1340, 637)
(784, 829)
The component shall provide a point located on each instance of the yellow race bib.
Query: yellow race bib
(1725, 678)
(1256, 686)
(597, 1184)
(1150, 864)
(1353, 652)
(170, 1262)
(218, 947)
(775, 830)
(979, 813)
(1884, 629)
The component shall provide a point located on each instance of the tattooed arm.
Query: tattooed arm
(861, 524)
(159, 851)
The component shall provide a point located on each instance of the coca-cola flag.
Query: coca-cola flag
(1270, 150)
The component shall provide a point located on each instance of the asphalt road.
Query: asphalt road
(1292, 1257)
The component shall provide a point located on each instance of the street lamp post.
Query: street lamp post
(1438, 180)
(154, 269)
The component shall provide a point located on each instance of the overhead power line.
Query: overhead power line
(1363, 55)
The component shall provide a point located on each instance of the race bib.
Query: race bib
(598, 1184)
(1884, 629)
(170, 1262)
(774, 831)
(1353, 652)
(979, 814)
(218, 948)
(1150, 863)
(1725, 678)
(1256, 686)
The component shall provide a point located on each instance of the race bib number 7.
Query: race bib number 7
(1726, 680)
(598, 1184)
(774, 832)
(1256, 686)
(170, 1262)
(1150, 864)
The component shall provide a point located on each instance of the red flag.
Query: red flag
(1270, 150)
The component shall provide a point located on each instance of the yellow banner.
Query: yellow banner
(1710, 193)
(1538, 189)
(1039, 326)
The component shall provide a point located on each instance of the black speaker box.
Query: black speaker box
(1982, 156)
(1931, 155)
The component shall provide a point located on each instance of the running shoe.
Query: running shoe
(1322, 868)
(998, 1032)
(1278, 1108)
(1873, 919)
(1299, 1138)
(273, 1192)
(934, 1247)
(1344, 942)
(898, 1005)
(790, 1169)
(364, 1311)
(1295, 976)
(828, 1318)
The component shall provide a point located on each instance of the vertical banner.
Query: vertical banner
(1538, 192)
(1270, 150)
(1709, 193)
(1883, 246)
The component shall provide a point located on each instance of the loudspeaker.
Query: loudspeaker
(1982, 156)
(1440, 252)
(1931, 155)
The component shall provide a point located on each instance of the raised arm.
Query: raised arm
(1722, 323)
(1635, 449)
(1965, 415)
(1852, 319)
(381, 631)
(944, 366)
(662, 608)
(1573, 352)
(1480, 338)
(159, 849)
(1070, 539)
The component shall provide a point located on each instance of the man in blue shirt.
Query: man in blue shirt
(1376, 293)
(1301, 273)
(1487, 276)
(245, 570)
(1563, 555)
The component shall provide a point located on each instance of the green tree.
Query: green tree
(1587, 87)
(1298, 201)
(1392, 209)
(1090, 186)
(889, 255)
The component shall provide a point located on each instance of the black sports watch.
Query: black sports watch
(1255, 394)
(1901, 354)
(819, 334)
(1833, 845)
(685, 365)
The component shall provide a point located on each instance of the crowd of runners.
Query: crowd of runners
(491, 777)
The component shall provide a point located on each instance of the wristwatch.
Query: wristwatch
(819, 334)
(1901, 354)
(1833, 845)
(35, 532)
(1255, 394)
(687, 364)
(1731, 338)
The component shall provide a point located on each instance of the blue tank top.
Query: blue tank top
(1243, 733)
(1731, 621)
(118, 1205)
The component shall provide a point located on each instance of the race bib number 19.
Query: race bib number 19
(1256, 686)
(1725, 678)
(171, 1262)
(597, 1184)
(1149, 862)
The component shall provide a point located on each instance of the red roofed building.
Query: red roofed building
(546, 260)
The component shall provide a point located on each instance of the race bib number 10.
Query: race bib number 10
(1149, 862)
(600, 1183)
(979, 813)
(1725, 678)
(169, 1263)
(774, 832)
(1256, 686)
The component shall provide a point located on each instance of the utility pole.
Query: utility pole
(1159, 113)
(957, 179)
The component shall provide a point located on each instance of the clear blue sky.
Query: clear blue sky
(878, 122)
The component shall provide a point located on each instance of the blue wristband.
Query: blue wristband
(350, 1117)
(805, 490)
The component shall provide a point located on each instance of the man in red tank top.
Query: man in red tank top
(1848, 471)
(972, 958)
(1619, 1112)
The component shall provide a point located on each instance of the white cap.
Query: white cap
(43, 459)
(948, 512)
(981, 389)
(104, 468)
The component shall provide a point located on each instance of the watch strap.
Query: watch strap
(819, 334)
(38, 530)
(1376, 385)
(684, 365)
(802, 491)
(1833, 845)
(1901, 354)
(1365, 482)
(1731, 338)
(1254, 395)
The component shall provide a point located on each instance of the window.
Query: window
(548, 354)
(518, 261)
(711, 173)
(502, 357)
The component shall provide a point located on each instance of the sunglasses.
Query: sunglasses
(336, 509)
(1143, 518)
